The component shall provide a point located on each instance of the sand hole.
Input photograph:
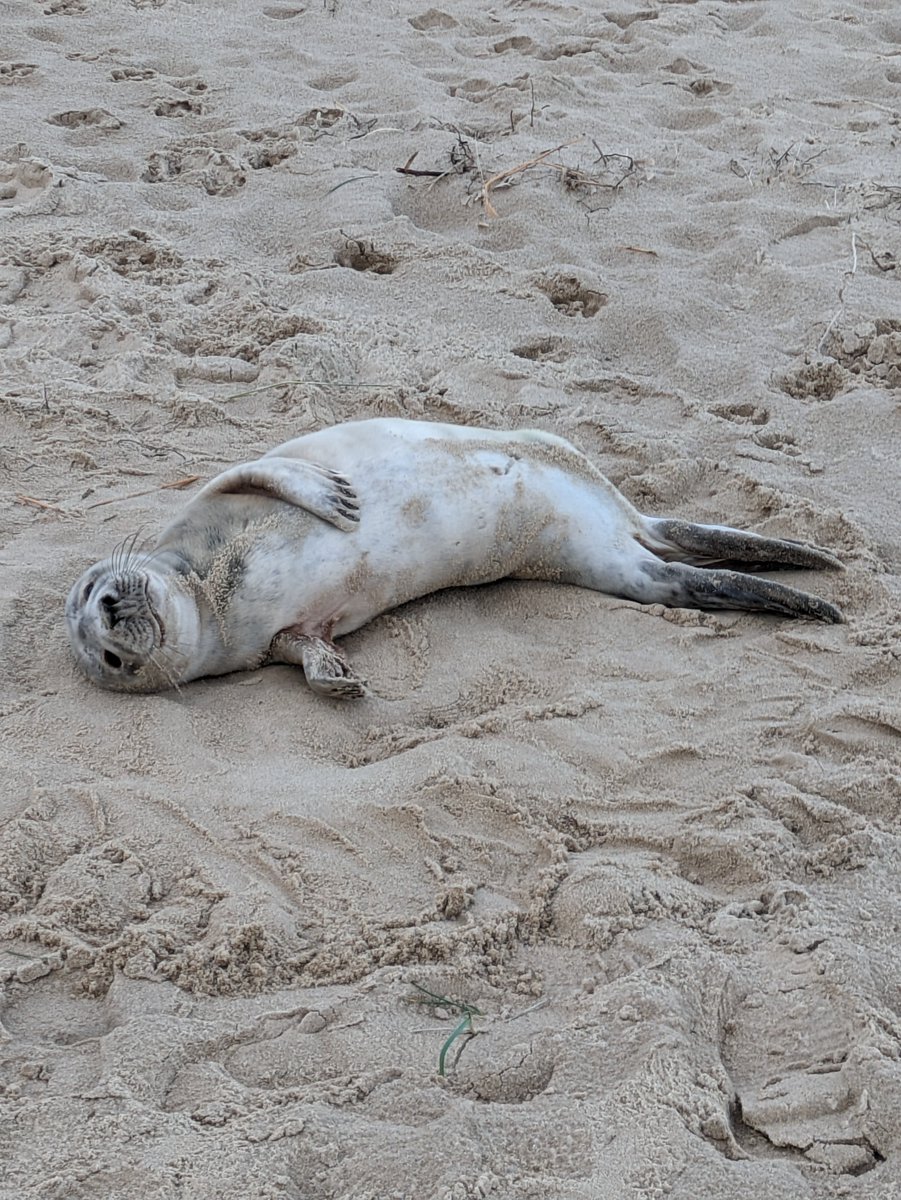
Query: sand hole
(570, 296)
(363, 256)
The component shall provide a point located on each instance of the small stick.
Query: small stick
(823, 340)
(267, 387)
(353, 179)
(45, 504)
(176, 485)
(542, 1003)
(382, 129)
(888, 265)
(406, 169)
(478, 159)
(517, 170)
(841, 294)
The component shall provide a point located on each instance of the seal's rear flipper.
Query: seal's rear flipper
(327, 670)
(324, 493)
(693, 587)
(718, 545)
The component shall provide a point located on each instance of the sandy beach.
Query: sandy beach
(653, 854)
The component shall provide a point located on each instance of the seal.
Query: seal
(274, 559)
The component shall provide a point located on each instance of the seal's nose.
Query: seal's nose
(109, 607)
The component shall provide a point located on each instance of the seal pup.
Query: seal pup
(274, 559)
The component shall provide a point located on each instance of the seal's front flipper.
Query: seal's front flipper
(325, 493)
(327, 670)
(693, 587)
(718, 545)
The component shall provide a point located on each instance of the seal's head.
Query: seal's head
(132, 629)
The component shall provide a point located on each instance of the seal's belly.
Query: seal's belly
(439, 507)
(448, 522)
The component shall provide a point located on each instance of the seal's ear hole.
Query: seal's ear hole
(112, 660)
(88, 588)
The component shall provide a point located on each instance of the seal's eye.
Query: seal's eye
(112, 660)
(88, 588)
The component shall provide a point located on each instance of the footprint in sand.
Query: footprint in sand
(131, 74)
(178, 108)
(218, 173)
(15, 72)
(742, 413)
(75, 118)
(278, 12)
(433, 18)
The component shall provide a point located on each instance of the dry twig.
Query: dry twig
(42, 504)
(848, 275)
(176, 485)
(407, 169)
(503, 176)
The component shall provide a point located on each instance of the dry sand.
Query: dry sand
(658, 850)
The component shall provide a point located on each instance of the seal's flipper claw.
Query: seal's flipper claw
(305, 484)
(719, 545)
(681, 585)
(338, 688)
(327, 670)
(347, 508)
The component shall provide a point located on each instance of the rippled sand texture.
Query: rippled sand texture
(657, 849)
